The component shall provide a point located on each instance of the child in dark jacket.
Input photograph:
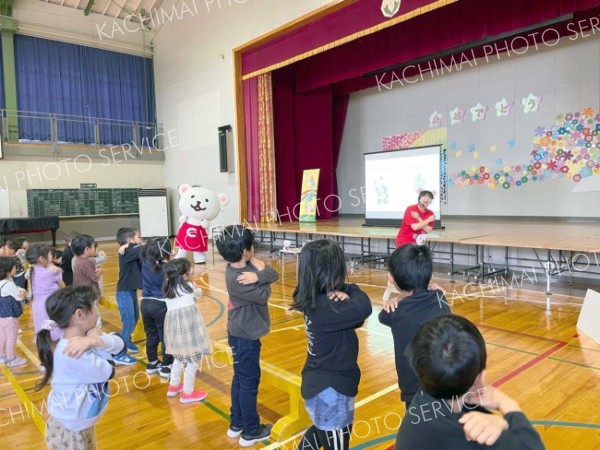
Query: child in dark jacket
(333, 310)
(411, 268)
(452, 411)
(155, 254)
(130, 280)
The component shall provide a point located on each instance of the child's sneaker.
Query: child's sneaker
(192, 397)
(124, 360)
(153, 367)
(20, 331)
(263, 433)
(15, 362)
(133, 348)
(234, 432)
(174, 390)
(164, 372)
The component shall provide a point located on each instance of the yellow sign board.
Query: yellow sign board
(308, 198)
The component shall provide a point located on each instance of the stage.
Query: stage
(559, 245)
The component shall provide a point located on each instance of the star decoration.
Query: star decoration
(458, 153)
(531, 103)
(478, 112)
(457, 115)
(493, 148)
(511, 143)
(475, 155)
(503, 108)
(499, 161)
(435, 120)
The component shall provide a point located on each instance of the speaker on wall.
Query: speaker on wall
(225, 148)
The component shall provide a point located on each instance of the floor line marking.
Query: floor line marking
(527, 365)
(25, 400)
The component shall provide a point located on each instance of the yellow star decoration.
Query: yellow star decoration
(475, 155)
(493, 148)
(458, 153)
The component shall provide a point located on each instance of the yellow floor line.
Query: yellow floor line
(276, 445)
(375, 396)
(295, 328)
(26, 380)
(30, 355)
(25, 400)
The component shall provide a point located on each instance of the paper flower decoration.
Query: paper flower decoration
(478, 112)
(435, 120)
(503, 108)
(457, 115)
(531, 103)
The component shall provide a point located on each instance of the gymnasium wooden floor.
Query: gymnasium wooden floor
(536, 356)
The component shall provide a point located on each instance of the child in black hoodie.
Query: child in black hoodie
(411, 268)
(333, 309)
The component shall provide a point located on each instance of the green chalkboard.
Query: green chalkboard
(81, 202)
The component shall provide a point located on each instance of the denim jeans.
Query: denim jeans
(130, 313)
(244, 386)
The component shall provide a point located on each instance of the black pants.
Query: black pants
(153, 316)
(328, 440)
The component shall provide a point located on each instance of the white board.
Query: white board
(154, 212)
(4, 203)
(589, 317)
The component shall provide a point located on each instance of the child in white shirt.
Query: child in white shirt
(79, 368)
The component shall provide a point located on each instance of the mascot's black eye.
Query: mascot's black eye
(206, 200)
(193, 196)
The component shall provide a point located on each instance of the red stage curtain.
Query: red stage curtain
(357, 16)
(456, 24)
(308, 133)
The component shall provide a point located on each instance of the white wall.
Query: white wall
(194, 83)
(566, 76)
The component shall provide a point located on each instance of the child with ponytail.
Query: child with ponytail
(155, 254)
(78, 368)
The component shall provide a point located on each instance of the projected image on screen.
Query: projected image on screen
(394, 179)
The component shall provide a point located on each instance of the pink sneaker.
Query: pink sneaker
(174, 390)
(194, 396)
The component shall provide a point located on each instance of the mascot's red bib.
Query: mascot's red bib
(192, 238)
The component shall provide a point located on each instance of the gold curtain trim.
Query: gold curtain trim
(266, 148)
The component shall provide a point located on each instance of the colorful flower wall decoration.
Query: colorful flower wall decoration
(569, 149)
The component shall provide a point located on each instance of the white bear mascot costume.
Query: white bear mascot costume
(198, 206)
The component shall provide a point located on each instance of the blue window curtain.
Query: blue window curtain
(2, 99)
(91, 84)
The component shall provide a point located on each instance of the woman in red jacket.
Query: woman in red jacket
(417, 220)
